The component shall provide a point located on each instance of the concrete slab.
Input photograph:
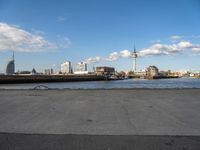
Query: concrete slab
(101, 112)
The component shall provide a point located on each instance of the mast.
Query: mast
(13, 56)
(134, 56)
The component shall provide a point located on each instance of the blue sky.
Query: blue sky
(45, 33)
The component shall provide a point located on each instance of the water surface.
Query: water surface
(130, 83)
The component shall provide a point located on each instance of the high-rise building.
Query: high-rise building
(81, 66)
(134, 56)
(10, 67)
(66, 67)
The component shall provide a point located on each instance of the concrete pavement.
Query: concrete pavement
(101, 112)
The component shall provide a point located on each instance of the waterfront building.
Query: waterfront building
(10, 67)
(81, 66)
(152, 71)
(108, 71)
(134, 56)
(66, 67)
(48, 71)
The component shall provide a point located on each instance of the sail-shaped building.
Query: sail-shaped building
(10, 67)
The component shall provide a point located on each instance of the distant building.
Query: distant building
(10, 67)
(48, 71)
(152, 71)
(108, 71)
(23, 73)
(66, 67)
(33, 72)
(81, 66)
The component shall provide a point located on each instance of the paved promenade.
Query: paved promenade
(165, 116)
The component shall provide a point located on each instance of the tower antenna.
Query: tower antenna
(13, 56)
(134, 56)
(134, 47)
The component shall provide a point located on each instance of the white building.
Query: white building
(81, 66)
(66, 67)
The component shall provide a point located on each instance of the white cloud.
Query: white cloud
(116, 55)
(125, 53)
(167, 49)
(92, 60)
(16, 39)
(113, 56)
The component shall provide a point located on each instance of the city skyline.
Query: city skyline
(100, 33)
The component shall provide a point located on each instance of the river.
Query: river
(129, 83)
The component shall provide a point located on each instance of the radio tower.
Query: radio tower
(134, 56)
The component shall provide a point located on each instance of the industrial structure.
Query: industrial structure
(66, 67)
(134, 56)
(10, 67)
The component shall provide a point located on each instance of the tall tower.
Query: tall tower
(13, 56)
(134, 56)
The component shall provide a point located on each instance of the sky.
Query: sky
(45, 33)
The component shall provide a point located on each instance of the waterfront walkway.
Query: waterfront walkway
(100, 119)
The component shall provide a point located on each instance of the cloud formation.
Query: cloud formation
(116, 55)
(92, 60)
(168, 49)
(113, 56)
(16, 39)
(153, 50)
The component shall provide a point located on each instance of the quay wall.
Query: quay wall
(9, 79)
